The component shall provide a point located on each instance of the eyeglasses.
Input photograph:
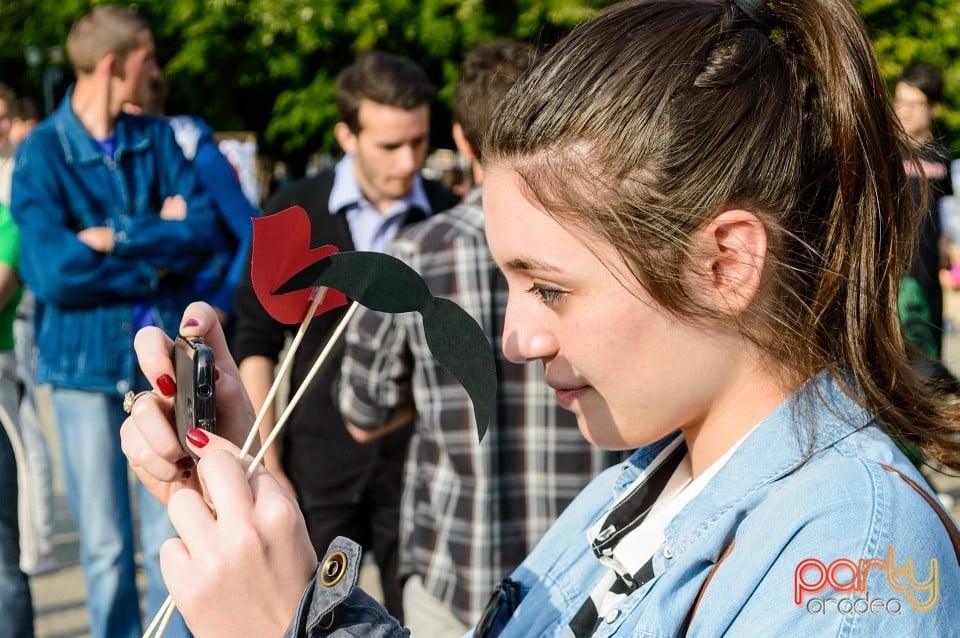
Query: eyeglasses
(504, 601)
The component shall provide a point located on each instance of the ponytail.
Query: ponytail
(871, 229)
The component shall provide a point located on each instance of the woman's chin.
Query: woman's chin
(602, 432)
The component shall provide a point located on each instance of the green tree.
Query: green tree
(269, 65)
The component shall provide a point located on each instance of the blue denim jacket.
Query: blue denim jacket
(785, 501)
(63, 183)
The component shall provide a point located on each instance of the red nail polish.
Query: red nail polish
(190, 323)
(166, 385)
(216, 374)
(197, 437)
(186, 474)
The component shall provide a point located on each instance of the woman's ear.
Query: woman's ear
(728, 256)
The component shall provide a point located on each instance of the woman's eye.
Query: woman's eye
(546, 294)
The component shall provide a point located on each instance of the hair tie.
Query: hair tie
(759, 13)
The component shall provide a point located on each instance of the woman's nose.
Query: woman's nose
(526, 336)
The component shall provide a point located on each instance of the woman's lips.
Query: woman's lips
(567, 396)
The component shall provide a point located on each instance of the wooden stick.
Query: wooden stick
(161, 619)
(166, 619)
(318, 295)
(321, 359)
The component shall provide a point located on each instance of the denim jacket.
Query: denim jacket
(802, 517)
(63, 183)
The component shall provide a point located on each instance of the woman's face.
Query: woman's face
(630, 371)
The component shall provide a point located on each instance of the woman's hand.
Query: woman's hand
(244, 557)
(149, 436)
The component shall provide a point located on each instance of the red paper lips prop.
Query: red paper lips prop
(281, 248)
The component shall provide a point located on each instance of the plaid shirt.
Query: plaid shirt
(470, 512)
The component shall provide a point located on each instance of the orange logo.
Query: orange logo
(844, 575)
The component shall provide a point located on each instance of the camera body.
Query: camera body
(196, 373)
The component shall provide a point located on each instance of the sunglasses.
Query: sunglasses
(504, 601)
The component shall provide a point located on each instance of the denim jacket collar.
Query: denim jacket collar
(80, 148)
(784, 448)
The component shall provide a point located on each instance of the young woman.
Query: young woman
(702, 214)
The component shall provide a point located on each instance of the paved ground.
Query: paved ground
(59, 596)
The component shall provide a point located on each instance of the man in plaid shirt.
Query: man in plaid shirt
(470, 512)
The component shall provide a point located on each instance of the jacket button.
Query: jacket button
(667, 553)
(334, 567)
(611, 616)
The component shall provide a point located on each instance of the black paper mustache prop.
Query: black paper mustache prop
(385, 284)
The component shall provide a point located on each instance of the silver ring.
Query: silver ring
(130, 398)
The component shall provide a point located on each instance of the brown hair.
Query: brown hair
(8, 96)
(383, 78)
(647, 121)
(924, 78)
(25, 109)
(487, 74)
(105, 30)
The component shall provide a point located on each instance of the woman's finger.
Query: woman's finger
(225, 483)
(200, 320)
(195, 522)
(155, 357)
(146, 452)
(176, 567)
(152, 450)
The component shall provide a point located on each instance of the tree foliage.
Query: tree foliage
(269, 65)
(904, 32)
